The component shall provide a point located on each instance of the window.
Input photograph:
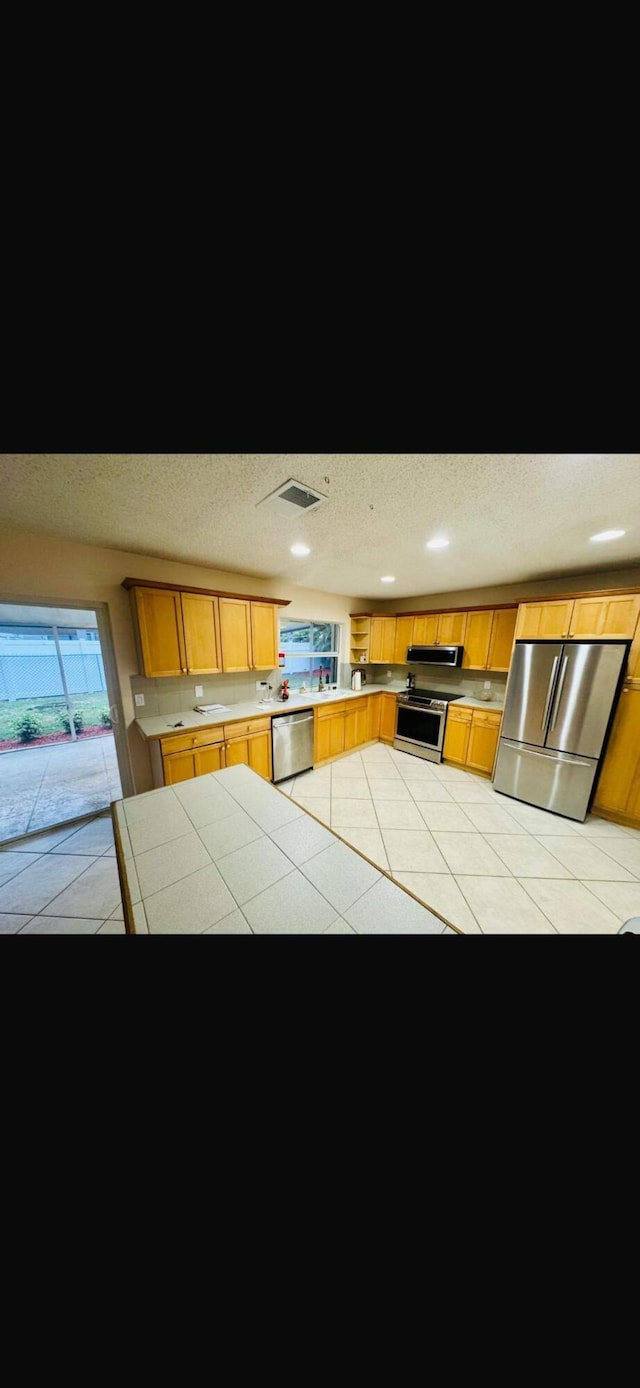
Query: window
(310, 649)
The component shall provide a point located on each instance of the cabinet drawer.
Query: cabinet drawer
(255, 725)
(330, 710)
(190, 740)
(492, 717)
(459, 715)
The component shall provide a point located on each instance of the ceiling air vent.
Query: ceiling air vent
(292, 498)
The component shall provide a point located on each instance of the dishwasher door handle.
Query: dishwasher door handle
(294, 721)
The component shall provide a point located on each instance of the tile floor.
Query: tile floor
(62, 882)
(41, 786)
(489, 864)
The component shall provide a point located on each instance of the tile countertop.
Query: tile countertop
(229, 854)
(164, 724)
(463, 702)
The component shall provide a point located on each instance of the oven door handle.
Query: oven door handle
(417, 708)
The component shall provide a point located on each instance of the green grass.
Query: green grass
(48, 712)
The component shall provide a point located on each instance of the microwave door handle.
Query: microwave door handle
(556, 706)
(552, 678)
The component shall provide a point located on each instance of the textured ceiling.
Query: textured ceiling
(510, 517)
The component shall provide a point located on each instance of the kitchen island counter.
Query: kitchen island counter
(227, 853)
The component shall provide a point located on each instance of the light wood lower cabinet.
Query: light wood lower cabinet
(341, 727)
(389, 705)
(183, 766)
(375, 709)
(618, 789)
(198, 754)
(253, 750)
(471, 738)
(356, 724)
(456, 738)
(329, 732)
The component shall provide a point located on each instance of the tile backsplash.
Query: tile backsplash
(175, 694)
(469, 682)
(167, 696)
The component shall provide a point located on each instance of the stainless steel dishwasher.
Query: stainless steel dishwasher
(292, 735)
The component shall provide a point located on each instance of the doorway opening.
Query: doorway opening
(60, 757)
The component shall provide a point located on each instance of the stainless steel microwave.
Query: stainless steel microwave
(435, 655)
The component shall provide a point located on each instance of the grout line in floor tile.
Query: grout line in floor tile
(523, 884)
(69, 884)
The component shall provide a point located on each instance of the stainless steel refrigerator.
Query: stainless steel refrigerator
(557, 711)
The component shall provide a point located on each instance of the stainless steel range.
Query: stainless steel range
(421, 721)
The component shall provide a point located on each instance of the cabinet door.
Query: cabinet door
(605, 617)
(477, 640)
(452, 628)
(620, 775)
(350, 737)
(388, 716)
(544, 621)
(336, 734)
(322, 739)
(483, 741)
(235, 634)
(260, 754)
(264, 636)
(456, 740)
(209, 759)
(201, 634)
(362, 722)
(383, 640)
(179, 766)
(237, 752)
(425, 630)
(403, 637)
(159, 614)
(373, 721)
(503, 632)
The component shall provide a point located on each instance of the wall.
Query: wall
(36, 567)
(513, 592)
(466, 682)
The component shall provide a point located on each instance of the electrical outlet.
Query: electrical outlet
(139, 700)
(199, 691)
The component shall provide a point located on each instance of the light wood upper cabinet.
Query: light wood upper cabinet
(201, 623)
(383, 640)
(403, 639)
(477, 640)
(159, 614)
(425, 630)
(235, 633)
(264, 636)
(502, 637)
(451, 628)
(618, 788)
(544, 621)
(609, 618)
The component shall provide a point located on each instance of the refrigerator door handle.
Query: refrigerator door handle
(556, 706)
(562, 757)
(552, 678)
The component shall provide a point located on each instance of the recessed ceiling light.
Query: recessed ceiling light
(389, 579)
(438, 544)
(302, 550)
(608, 535)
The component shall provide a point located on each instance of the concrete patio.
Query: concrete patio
(44, 786)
